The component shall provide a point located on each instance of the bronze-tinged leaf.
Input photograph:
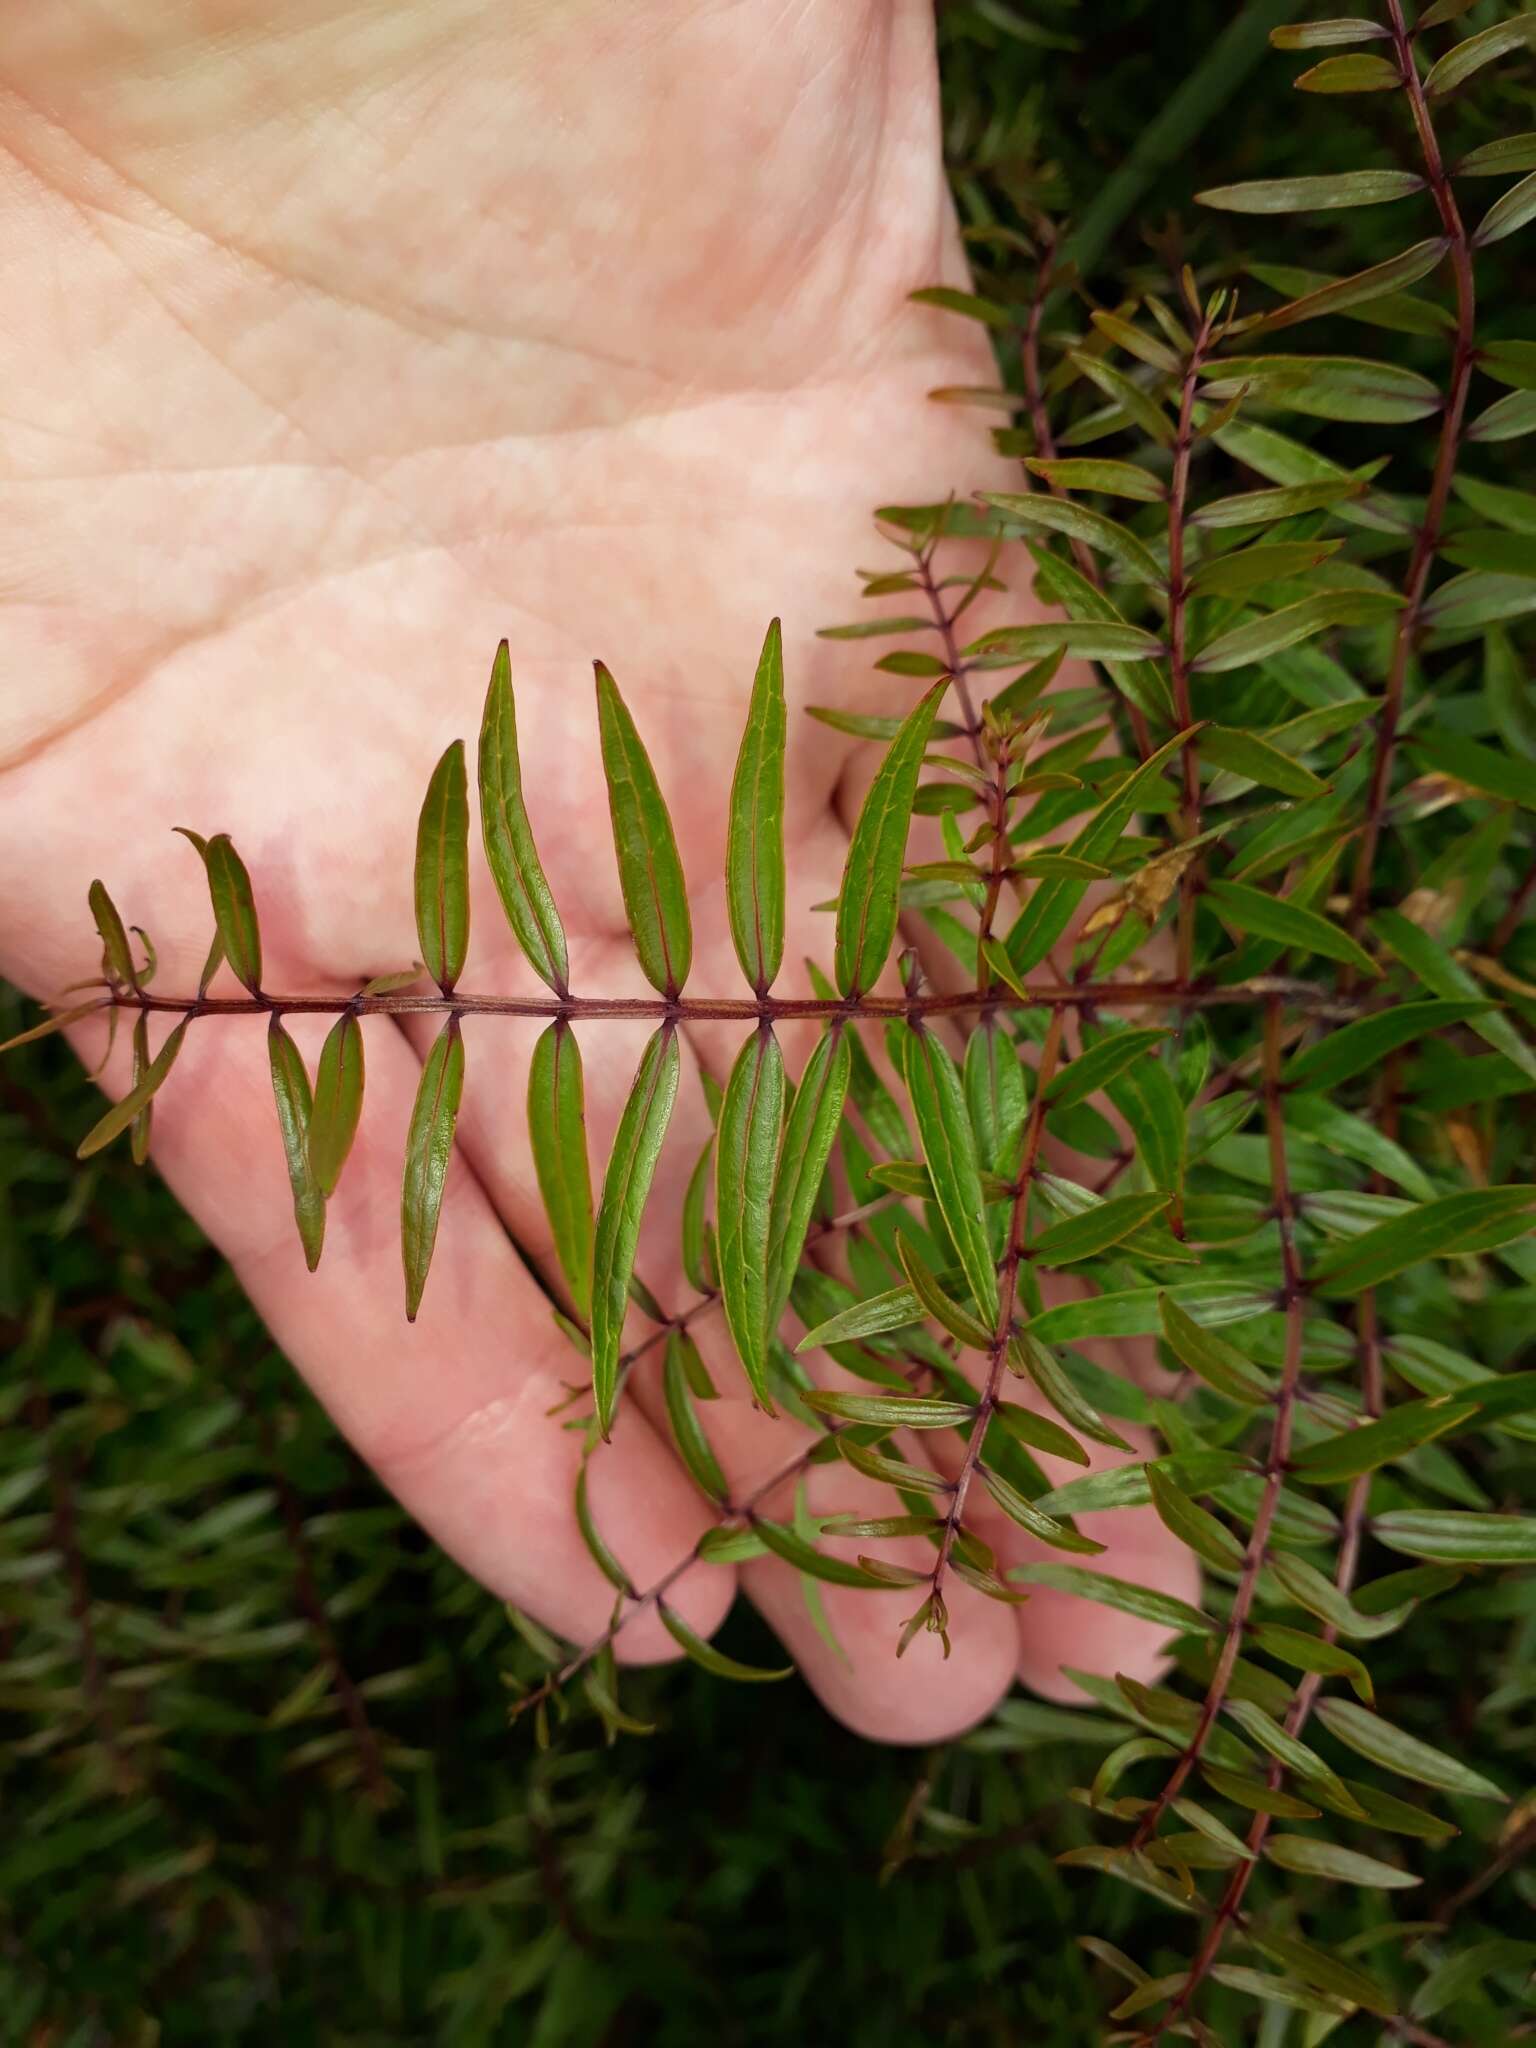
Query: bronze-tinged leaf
(138, 1136)
(338, 1101)
(442, 870)
(116, 954)
(291, 1092)
(122, 1113)
(510, 852)
(428, 1149)
(234, 909)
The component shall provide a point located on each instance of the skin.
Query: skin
(342, 341)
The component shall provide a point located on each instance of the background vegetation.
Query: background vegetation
(257, 1776)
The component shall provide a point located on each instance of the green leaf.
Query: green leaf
(1244, 753)
(124, 1111)
(1145, 1602)
(1508, 212)
(1283, 1991)
(1088, 639)
(650, 872)
(557, 1133)
(1456, 1538)
(1255, 1793)
(1265, 508)
(1380, 1743)
(805, 1557)
(1459, 63)
(1196, 1528)
(754, 845)
(1257, 639)
(1359, 1047)
(234, 908)
(746, 1155)
(1146, 1097)
(1309, 1857)
(1139, 406)
(139, 1130)
(966, 304)
(868, 902)
(1428, 961)
(1321, 1596)
(1498, 158)
(809, 1131)
(1030, 1518)
(1232, 574)
(1329, 1972)
(428, 1148)
(1211, 1358)
(1362, 288)
(1115, 479)
(1027, 1354)
(1475, 1220)
(510, 853)
(897, 1309)
(291, 1092)
(442, 871)
(692, 1444)
(1506, 776)
(1038, 1432)
(1374, 1444)
(592, 1537)
(1100, 1063)
(892, 1411)
(1360, 73)
(713, 1660)
(1273, 917)
(1312, 194)
(1310, 1653)
(1035, 509)
(116, 953)
(1096, 1229)
(959, 1322)
(949, 1146)
(338, 1101)
(1267, 1732)
(861, 629)
(1328, 387)
(626, 1187)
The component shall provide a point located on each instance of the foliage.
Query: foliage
(1258, 889)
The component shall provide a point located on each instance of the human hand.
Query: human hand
(343, 346)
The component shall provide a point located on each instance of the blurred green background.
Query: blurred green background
(256, 1774)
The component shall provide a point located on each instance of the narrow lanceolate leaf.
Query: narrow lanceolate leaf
(949, 1146)
(754, 845)
(291, 1091)
(1244, 753)
(1211, 1358)
(138, 1136)
(897, 1309)
(650, 871)
(1290, 924)
(711, 1659)
(234, 908)
(116, 953)
(1034, 510)
(592, 1536)
(1361, 288)
(123, 1113)
(1498, 774)
(1377, 1740)
(1145, 1602)
(428, 1148)
(1375, 1444)
(1445, 1535)
(958, 1321)
(557, 1132)
(626, 1186)
(1264, 508)
(338, 1101)
(442, 870)
(1357, 1048)
(746, 1154)
(1355, 73)
(1312, 194)
(1309, 1857)
(869, 899)
(809, 1132)
(1258, 639)
(1088, 639)
(1476, 1220)
(693, 1446)
(1194, 1525)
(1090, 473)
(1100, 1064)
(892, 1411)
(509, 849)
(1512, 211)
(1311, 1653)
(1478, 50)
(1085, 1236)
(1320, 35)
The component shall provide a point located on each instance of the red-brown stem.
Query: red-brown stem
(1178, 637)
(1279, 1445)
(1422, 559)
(771, 1009)
(954, 661)
(1008, 1287)
(999, 868)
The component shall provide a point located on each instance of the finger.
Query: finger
(454, 1411)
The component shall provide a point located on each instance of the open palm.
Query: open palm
(344, 343)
